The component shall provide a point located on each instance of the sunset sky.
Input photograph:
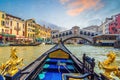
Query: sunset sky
(64, 13)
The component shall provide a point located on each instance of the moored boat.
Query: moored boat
(2, 45)
(31, 44)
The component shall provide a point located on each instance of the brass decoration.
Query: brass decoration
(107, 66)
(12, 65)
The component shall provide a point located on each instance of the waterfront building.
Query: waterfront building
(15, 29)
(2, 24)
(105, 39)
(48, 34)
(11, 27)
(92, 28)
(100, 29)
(2, 21)
(30, 29)
(112, 25)
(106, 25)
(44, 33)
(35, 31)
(16, 26)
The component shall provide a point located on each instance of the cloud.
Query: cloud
(64, 1)
(75, 7)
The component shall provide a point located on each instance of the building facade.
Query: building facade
(92, 28)
(30, 26)
(2, 22)
(114, 26)
(15, 26)
(11, 27)
(16, 29)
(44, 33)
(106, 25)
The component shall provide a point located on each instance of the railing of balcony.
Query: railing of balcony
(17, 28)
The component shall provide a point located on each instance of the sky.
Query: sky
(64, 13)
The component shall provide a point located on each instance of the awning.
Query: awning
(20, 37)
(0, 37)
(39, 39)
(8, 35)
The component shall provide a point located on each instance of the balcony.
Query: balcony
(7, 26)
(17, 28)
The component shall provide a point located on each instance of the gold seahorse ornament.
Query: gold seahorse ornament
(107, 66)
(11, 66)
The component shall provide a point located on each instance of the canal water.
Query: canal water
(30, 53)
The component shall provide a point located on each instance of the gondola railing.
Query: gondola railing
(88, 65)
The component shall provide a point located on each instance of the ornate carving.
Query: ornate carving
(12, 65)
(107, 66)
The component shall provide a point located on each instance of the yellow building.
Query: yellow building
(16, 26)
(11, 27)
(36, 31)
(2, 21)
(22, 30)
(30, 29)
(45, 33)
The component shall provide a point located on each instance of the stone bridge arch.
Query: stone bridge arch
(89, 39)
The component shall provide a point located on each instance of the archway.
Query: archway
(87, 39)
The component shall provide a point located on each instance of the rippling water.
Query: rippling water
(30, 53)
(98, 53)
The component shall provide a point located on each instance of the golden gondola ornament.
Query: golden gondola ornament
(107, 66)
(11, 66)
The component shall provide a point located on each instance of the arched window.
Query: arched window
(92, 34)
(63, 34)
(81, 32)
(70, 32)
(66, 33)
(56, 36)
(84, 33)
(59, 35)
(88, 33)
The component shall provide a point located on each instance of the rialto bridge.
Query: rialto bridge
(74, 34)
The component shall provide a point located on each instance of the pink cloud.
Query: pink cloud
(75, 7)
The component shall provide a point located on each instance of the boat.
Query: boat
(30, 44)
(58, 63)
(2, 45)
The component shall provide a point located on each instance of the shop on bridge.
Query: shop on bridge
(105, 39)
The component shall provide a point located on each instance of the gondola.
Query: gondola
(58, 63)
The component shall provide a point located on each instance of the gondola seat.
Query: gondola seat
(50, 76)
(58, 68)
(53, 60)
